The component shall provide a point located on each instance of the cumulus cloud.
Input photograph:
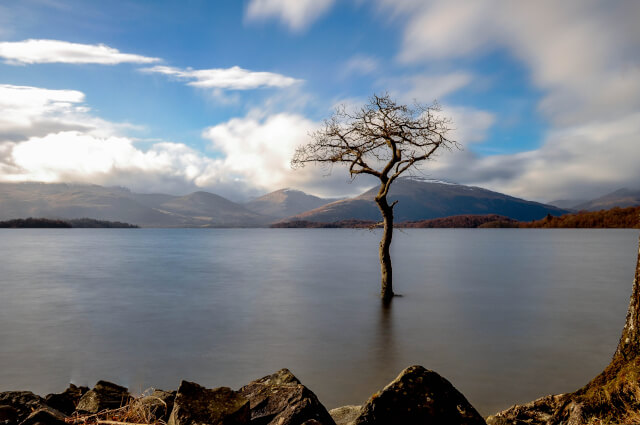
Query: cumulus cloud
(582, 56)
(52, 136)
(234, 78)
(55, 51)
(258, 149)
(296, 14)
(32, 111)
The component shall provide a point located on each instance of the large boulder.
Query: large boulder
(15, 406)
(160, 403)
(67, 400)
(416, 397)
(45, 416)
(105, 395)
(345, 415)
(280, 399)
(196, 405)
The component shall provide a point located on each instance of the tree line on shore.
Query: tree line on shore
(614, 218)
(39, 223)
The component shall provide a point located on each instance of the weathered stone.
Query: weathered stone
(345, 415)
(67, 400)
(8, 415)
(196, 405)
(105, 395)
(45, 416)
(280, 399)
(160, 403)
(419, 396)
(23, 402)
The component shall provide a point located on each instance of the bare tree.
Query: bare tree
(382, 139)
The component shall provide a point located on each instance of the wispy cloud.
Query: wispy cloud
(32, 51)
(298, 15)
(360, 64)
(582, 56)
(426, 87)
(234, 78)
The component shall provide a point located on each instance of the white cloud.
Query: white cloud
(234, 78)
(259, 149)
(51, 136)
(583, 56)
(55, 51)
(425, 88)
(469, 125)
(296, 14)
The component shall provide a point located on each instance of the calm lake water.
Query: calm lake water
(507, 315)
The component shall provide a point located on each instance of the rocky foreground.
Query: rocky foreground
(416, 396)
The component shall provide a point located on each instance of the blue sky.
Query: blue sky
(174, 96)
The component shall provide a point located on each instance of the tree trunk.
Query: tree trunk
(629, 345)
(385, 256)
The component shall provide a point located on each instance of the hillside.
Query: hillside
(285, 203)
(70, 201)
(620, 198)
(423, 200)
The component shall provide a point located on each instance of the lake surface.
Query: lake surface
(507, 315)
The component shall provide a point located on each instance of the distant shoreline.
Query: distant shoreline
(81, 223)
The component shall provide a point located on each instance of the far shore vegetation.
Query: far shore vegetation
(614, 218)
(46, 223)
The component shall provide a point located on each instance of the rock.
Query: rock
(196, 405)
(551, 409)
(345, 415)
(161, 403)
(17, 405)
(105, 395)
(45, 416)
(418, 396)
(8, 415)
(67, 400)
(280, 399)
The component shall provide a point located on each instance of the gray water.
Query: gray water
(507, 315)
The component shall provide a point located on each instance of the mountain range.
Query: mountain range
(620, 198)
(421, 200)
(417, 200)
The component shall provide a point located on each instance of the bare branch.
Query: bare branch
(382, 139)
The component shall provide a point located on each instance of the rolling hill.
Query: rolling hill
(285, 203)
(620, 198)
(69, 201)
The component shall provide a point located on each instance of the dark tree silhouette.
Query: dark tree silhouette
(382, 139)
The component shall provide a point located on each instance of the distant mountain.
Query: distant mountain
(285, 203)
(69, 201)
(567, 204)
(422, 200)
(620, 198)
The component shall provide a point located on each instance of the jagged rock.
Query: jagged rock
(45, 416)
(8, 415)
(161, 403)
(22, 403)
(418, 396)
(196, 405)
(540, 411)
(280, 399)
(105, 395)
(67, 400)
(345, 415)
